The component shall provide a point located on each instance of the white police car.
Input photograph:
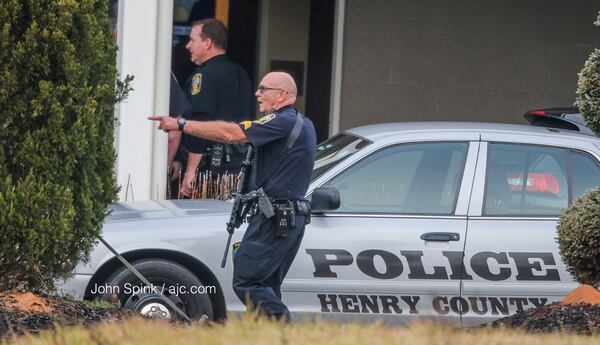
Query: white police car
(447, 220)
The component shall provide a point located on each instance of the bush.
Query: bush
(588, 89)
(579, 238)
(579, 226)
(57, 95)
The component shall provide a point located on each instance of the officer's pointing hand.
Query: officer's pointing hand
(167, 123)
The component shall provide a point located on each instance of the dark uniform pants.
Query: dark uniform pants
(262, 261)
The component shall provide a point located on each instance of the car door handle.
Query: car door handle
(440, 236)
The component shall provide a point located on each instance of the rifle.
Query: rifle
(239, 209)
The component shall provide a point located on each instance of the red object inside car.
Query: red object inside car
(536, 182)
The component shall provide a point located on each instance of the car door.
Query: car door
(395, 244)
(511, 255)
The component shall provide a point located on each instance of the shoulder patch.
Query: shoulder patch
(265, 119)
(196, 83)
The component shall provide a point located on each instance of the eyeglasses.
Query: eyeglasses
(262, 88)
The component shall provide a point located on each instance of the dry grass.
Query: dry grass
(243, 331)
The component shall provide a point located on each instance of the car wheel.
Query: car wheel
(174, 281)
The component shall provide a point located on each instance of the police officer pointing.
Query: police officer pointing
(282, 168)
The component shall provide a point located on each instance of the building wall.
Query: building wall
(462, 60)
(284, 36)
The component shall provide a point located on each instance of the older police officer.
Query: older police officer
(283, 172)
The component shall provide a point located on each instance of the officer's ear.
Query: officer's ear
(209, 43)
(283, 95)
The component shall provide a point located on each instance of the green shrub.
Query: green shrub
(579, 238)
(58, 87)
(588, 90)
(579, 225)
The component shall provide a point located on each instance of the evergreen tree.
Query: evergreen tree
(58, 87)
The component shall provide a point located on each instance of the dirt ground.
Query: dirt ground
(22, 312)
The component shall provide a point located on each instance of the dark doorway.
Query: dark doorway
(319, 69)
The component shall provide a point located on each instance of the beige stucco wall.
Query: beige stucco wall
(284, 35)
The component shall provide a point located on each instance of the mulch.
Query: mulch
(48, 311)
(579, 313)
(579, 318)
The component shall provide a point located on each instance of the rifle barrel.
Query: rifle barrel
(236, 209)
(226, 250)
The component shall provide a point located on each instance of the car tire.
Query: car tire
(169, 278)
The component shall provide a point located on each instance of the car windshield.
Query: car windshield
(334, 150)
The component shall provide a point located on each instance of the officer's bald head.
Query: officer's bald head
(276, 90)
(284, 81)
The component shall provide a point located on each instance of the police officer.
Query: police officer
(265, 253)
(219, 89)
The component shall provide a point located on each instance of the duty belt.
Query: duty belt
(300, 206)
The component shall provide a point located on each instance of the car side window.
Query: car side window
(526, 180)
(421, 178)
(585, 174)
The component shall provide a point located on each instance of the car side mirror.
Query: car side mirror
(324, 199)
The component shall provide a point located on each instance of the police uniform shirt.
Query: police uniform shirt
(268, 135)
(219, 89)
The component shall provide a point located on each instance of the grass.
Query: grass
(246, 330)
